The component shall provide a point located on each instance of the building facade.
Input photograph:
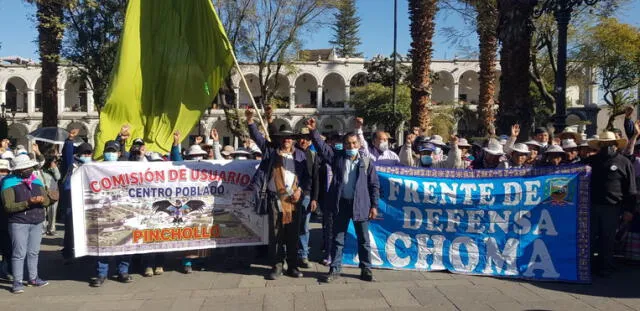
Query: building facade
(319, 88)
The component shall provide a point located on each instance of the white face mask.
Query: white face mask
(197, 158)
(240, 158)
(383, 146)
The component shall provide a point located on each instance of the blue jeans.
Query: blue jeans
(25, 242)
(122, 262)
(340, 226)
(303, 250)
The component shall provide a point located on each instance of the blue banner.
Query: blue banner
(520, 223)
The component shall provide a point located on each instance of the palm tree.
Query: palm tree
(421, 14)
(515, 28)
(487, 27)
(50, 16)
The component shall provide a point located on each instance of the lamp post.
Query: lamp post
(395, 57)
(561, 10)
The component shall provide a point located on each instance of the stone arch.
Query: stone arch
(38, 92)
(443, 88)
(282, 94)
(358, 79)
(254, 86)
(282, 123)
(299, 125)
(17, 134)
(333, 90)
(306, 95)
(84, 129)
(75, 95)
(331, 124)
(16, 88)
(469, 87)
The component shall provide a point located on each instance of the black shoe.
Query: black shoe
(124, 278)
(294, 273)
(304, 263)
(97, 282)
(275, 273)
(367, 275)
(332, 276)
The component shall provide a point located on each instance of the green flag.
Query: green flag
(173, 58)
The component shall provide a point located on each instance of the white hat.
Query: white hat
(437, 140)
(196, 150)
(4, 165)
(568, 144)
(533, 142)
(493, 147)
(227, 150)
(462, 142)
(22, 162)
(154, 157)
(520, 148)
(570, 133)
(8, 155)
(606, 137)
(21, 150)
(554, 149)
(241, 152)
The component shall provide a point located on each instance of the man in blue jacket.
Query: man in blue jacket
(354, 196)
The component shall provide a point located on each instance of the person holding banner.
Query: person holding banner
(284, 172)
(24, 199)
(112, 154)
(355, 190)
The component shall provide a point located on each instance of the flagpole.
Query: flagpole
(253, 102)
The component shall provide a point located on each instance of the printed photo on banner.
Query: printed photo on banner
(141, 207)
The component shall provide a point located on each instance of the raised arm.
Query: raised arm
(454, 157)
(175, 154)
(406, 153)
(364, 146)
(634, 138)
(261, 142)
(323, 150)
(215, 138)
(515, 131)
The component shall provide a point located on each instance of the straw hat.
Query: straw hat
(463, 143)
(241, 153)
(534, 143)
(227, 150)
(520, 148)
(568, 143)
(437, 140)
(494, 147)
(570, 133)
(154, 157)
(22, 162)
(196, 150)
(5, 165)
(607, 137)
(8, 155)
(554, 149)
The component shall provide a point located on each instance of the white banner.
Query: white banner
(143, 207)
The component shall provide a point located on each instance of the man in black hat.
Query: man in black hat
(72, 158)
(284, 177)
(310, 199)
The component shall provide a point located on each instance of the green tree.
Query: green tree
(380, 70)
(373, 102)
(614, 49)
(91, 43)
(422, 15)
(345, 27)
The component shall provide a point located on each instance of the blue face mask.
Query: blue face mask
(426, 160)
(337, 146)
(312, 148)
(111, 156)
(85, 159)
(351, 152)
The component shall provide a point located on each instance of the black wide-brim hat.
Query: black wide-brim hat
(286, 134)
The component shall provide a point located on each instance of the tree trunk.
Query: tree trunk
(422, 14)
(50, 32)
(514, 31)
(487, 23)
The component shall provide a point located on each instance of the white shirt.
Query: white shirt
(289, 165)
(387, 157)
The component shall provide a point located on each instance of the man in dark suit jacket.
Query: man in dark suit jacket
(354, 193)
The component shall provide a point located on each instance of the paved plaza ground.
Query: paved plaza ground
(218, 289)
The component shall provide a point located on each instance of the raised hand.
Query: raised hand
(124, 132)
(311, 124)
(410, 139)
(453, 140)
(176, 138)
(359, 122)
(35, 148)
(214, 135)
(515, 130)
(249, 115)
(73, 133)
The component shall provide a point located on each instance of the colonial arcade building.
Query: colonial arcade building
(320, 88)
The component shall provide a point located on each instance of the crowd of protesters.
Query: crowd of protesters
(330, 174)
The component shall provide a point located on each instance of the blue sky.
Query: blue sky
(18, 33)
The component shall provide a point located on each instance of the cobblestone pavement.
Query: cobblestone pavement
(218, 289)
